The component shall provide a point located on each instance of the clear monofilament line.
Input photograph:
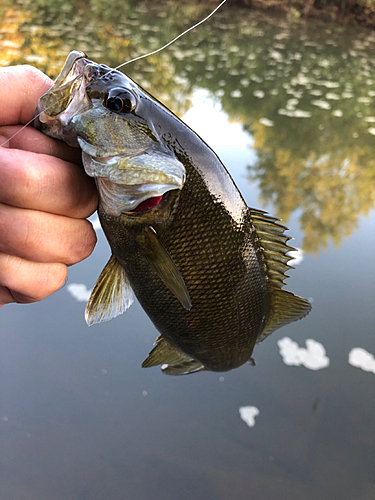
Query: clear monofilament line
(33, 118)
(172, 41)
(127, 62)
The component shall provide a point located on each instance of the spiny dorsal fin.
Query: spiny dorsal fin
(162, 263)
(173, 361)
(273, 240)
(111, 295)
(285, 306)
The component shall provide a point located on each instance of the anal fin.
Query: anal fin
(111, 295)
(172, 360)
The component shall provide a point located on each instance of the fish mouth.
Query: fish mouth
(137, 183)
(148, 205)
(67, 85)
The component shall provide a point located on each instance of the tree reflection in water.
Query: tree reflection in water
(305, 93)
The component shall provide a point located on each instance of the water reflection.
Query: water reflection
(307, 101)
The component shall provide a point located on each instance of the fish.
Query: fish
(207, 269)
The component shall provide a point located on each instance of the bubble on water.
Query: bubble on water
(236, 93)
(104, 372)
(248, 414)
(360, 358)
(245, 82)
(347, 95)
(221, 379)
(371, 130)
(364, 100)
(355, 135)
(79, 291)
(321, 104)
(296, 113)
(291, 104)
(297, 255)
(274, 54)
(328, 84)
(256, 78)
(338, 113)
(259, 93)
(144, 393)
(5, 418)
(370, 119)
(266, 122)
(333, 97)
(325, 63)
(300, 79)
(312, 357)
(316, 92)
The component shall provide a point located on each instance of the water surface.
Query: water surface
(290, 110)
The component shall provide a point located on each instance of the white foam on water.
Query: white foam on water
(266, 122)
(312, 357)
(298, 256)
(248, 414)
(79, 291)
(363, 359)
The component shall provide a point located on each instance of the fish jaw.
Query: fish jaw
(124, 183)
(121, 150)
(64, 100)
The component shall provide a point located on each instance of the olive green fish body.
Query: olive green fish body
(207, 269)
(226, 278)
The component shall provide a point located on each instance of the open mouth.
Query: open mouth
(148, 204)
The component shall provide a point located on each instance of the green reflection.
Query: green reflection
(305, 93)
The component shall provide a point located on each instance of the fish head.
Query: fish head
(112, 120)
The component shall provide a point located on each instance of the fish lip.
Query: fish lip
(67, 94)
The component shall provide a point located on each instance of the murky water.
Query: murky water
(290, 110)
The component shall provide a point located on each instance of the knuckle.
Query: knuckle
(84, 244)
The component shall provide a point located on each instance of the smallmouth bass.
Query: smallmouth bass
(207, 269)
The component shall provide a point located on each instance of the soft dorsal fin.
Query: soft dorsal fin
(162, 263)
(111, 295)
(285, 306)
(173, 361)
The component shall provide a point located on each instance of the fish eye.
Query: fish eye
(120, 100)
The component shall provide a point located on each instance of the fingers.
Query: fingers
(24, 282)
(30, 139)
(45, 183)
(22, 86)
(42, 237)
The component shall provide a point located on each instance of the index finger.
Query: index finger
(22, 86)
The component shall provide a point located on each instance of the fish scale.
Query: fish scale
(208, 270)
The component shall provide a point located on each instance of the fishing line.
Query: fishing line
(124, 64)
(172, 41)
(35, 116)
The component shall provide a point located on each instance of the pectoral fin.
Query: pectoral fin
(111, 295)
(173, 361)
(162, 263)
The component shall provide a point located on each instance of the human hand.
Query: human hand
(45, 196)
